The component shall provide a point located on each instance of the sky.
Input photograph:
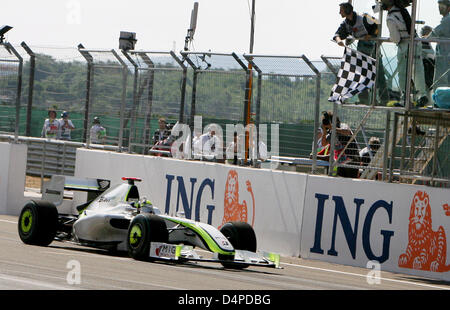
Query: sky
(282, 27)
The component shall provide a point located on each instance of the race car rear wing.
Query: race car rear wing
(53, 190)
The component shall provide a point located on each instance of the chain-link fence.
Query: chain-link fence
(421, 146)
(159, 91)
(11, 75)
(287, 92)
(130, 91)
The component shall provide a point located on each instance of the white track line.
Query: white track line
(362, 275)
(10, 222)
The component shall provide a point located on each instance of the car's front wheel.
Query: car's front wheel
(143, 230)
(242, 237)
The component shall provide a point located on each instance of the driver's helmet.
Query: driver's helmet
(143, 203)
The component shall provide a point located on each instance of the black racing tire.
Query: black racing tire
(242, 237)
(145, 228)
(38, 222)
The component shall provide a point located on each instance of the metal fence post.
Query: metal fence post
(89, 82)
(393, 143)
(124, 97)
(333, 140)
(386, 144)
(194, 89)
(411, 57)
(435, 150)
(183, 86)
(135, 101)
(404, 140)
(316, 111)
(30, 87)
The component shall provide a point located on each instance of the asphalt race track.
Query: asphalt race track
(24, 267)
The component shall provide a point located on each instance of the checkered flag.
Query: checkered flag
(358, 72)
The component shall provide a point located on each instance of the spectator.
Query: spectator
(428, 56)
(323, 146)
(363, 28)
(52, 127)
(399, 24)
(442, 31)
(343, 135)
(263, 155)
(367, 153)
(210, 144)
(98, 132)
(66, 126)
(162, 133)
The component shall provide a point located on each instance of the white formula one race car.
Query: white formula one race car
(117, 219)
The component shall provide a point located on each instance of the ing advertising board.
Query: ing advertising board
(404, 228)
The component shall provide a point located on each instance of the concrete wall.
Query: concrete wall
(13, 158)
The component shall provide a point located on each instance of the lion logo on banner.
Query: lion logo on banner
(233, 210)
(427, 249)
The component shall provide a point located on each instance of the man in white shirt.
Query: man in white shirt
(399, 24)
(52, 127)
(66, 126)
(211, 144)
(98, 132)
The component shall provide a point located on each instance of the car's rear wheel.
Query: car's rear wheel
(242, 237)
(143, 230)
(38, 222)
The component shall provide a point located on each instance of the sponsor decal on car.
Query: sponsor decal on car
(164, 250)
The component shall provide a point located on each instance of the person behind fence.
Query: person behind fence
(323, 146)
(399, 24)
(162, 133)
(97, 132)
(362, 27)
(210, 144)
(367, 153)
(428, 56)
(52, 126)
(66, 126)
(442, 31)
(351, 153)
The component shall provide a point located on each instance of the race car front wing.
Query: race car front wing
(184, 253)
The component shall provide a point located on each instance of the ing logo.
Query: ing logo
(233, 209)
(427, 249)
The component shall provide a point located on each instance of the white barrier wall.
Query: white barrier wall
(13, 160)
(405, 228)
(343, 221)
(213, 193)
